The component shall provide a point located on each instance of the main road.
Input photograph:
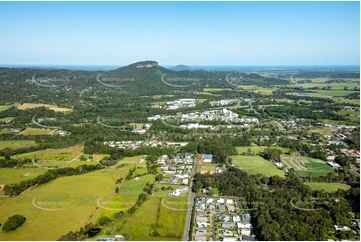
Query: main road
(187, 227)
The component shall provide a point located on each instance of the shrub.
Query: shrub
(13, 223)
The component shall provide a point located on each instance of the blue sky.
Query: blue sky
(191, 33)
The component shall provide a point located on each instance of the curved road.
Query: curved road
(43, 126)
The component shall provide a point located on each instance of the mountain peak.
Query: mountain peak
(144, 64)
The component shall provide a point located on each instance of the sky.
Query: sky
(172, 33)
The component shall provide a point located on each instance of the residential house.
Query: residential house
(246, 218)
(202, 224)
(221, 208)
(207, 158)
(229, 239)
(341, 228)
(227, 225)
(245, 232)
(227, 233)
(201, 231)
(236, 219)
(211, 207)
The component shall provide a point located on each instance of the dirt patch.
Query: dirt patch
(27, 174)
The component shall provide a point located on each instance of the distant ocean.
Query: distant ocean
(199, 67)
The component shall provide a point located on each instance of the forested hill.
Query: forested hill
(144, 78)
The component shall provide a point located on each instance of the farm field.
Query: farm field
(69, 201)
(36, 131)
(12, 175)
(14, 144)
(328, 187)
(25, 106)
(256, 164)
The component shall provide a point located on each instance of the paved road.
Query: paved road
(187, 227)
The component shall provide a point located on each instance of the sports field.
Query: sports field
(304, 165)
(328, 187)
(256, 164)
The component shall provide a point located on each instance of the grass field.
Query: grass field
(304, 165)
(76, 198)
(333, 93)
(209, 89)
(256, 164)
(25, 106)
(4, 107)
(153, 216)
(256, 149)
(7, 119)
(53, 157)
(328, 187)
(317, 167)
(36, 131)
(14, 144)
(12, 175)
(134, 187)
(204, 168)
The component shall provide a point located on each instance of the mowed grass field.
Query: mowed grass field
(317, 167)
(25, 106)
(36, 131)
(328, 187)
(76, 198)
(14, 144)
(255, 164)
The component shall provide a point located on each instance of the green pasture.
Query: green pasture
(14, 144)
(4, 107)
(7, 119)
(328, 187)
(256, 164)
(134, 187)
(153, 216)
(15, 175)
(36, 131)
(67, 201)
